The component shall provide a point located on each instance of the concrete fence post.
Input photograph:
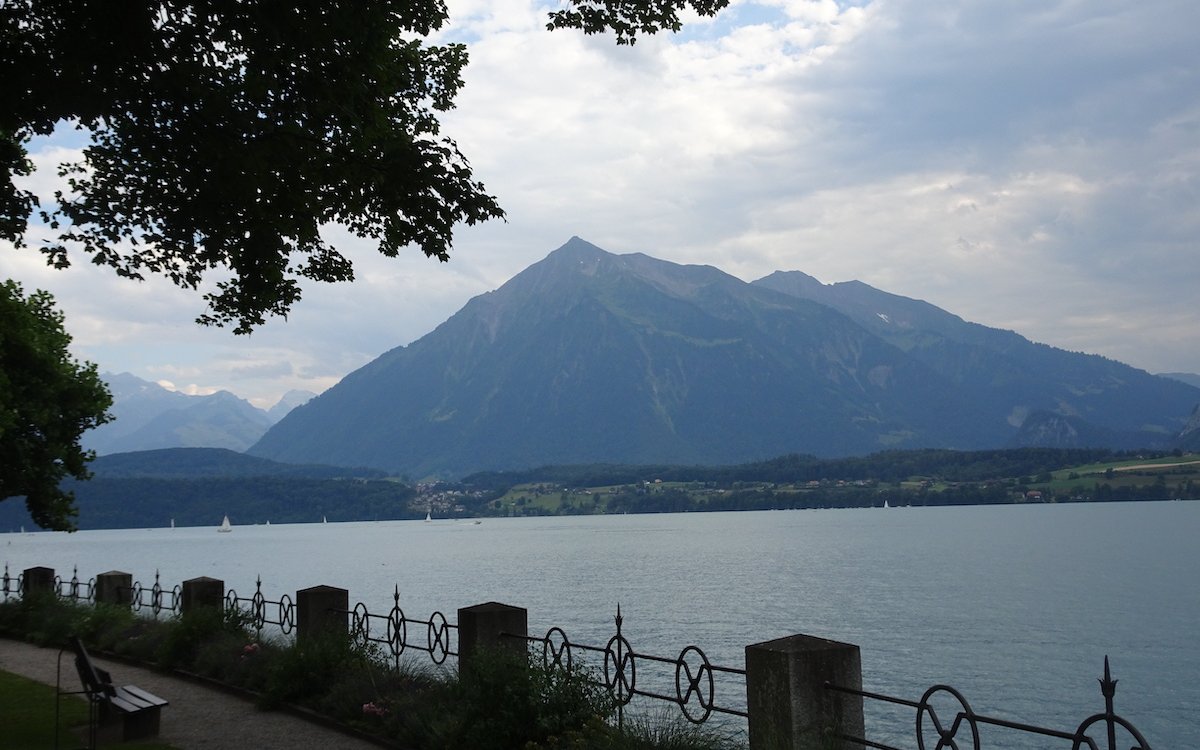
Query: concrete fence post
(37, 580)
(788, 705)
(201, 592)
(480, 629)
(114, 587)
(322, 609)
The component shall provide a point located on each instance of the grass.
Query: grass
(29, 717)
(1099, 468)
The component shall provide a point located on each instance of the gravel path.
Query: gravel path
(199, 716)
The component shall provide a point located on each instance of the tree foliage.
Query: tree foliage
(629, 19)
(224, 136)
(47, 401)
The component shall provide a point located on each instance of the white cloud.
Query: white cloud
(1031, 165)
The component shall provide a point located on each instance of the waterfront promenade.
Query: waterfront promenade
(199, 716)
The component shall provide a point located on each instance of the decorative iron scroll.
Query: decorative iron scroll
(556, 648)
(438, 640)
(12, 586)
(694, 675)
(700, 683)
(158, 597)
(73, 589)
(951, 733)
(257, 608)
(946, 734)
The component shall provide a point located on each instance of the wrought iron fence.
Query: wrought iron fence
(12, 586)
(156, 599)
(690, 681)
(963, 725)
(391, 631)
(694, 674)
(73, 589)
(256, 607)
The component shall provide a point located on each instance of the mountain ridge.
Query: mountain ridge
(148, 416)
(587, 357)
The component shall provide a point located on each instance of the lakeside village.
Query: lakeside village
(1139, 478)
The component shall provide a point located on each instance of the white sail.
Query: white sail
(225, 525)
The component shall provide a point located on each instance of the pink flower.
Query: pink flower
(249, 649)
(370, 709)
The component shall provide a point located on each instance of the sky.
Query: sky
(1032, 165)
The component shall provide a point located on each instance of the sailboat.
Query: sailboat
(225, 525)
(429, 515)
(172, 523)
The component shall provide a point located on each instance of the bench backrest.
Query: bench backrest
(95, 680)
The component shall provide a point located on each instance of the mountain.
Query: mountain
(176, 463)
(287, 402)
(148, 416)
(589, 357)
(1054, 397)
(1189, 437)
(1190, 378)
(197, 486)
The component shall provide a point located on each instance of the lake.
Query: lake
(1015, 606)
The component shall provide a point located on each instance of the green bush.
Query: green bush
(506, 701)
(303, 673)
(42, 618)
(184, 637)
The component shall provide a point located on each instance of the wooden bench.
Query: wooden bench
(125, 713)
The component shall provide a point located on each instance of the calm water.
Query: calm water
(1015, 606)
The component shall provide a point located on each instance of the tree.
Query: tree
(47, 401)
(225, 135)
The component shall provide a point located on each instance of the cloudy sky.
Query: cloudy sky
(1026, 164)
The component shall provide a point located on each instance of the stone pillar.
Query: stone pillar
(480, 628)
(38, 580)
(786, 698)
(322, 609)
(114, 587)
(201, 592)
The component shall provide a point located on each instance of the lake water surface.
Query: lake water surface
(1015, 606)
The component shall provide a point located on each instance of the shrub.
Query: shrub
(185, 637)
(506, 701)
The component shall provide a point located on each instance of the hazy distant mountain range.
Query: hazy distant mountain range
(1185, 377)
(149, 417)
(589, 357)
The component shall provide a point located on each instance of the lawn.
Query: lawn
(29, 717)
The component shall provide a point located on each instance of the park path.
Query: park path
(199, 716)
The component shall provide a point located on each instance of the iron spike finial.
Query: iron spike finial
(1108, 686)
(396, 595)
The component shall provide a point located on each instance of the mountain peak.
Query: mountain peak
(591, 357)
